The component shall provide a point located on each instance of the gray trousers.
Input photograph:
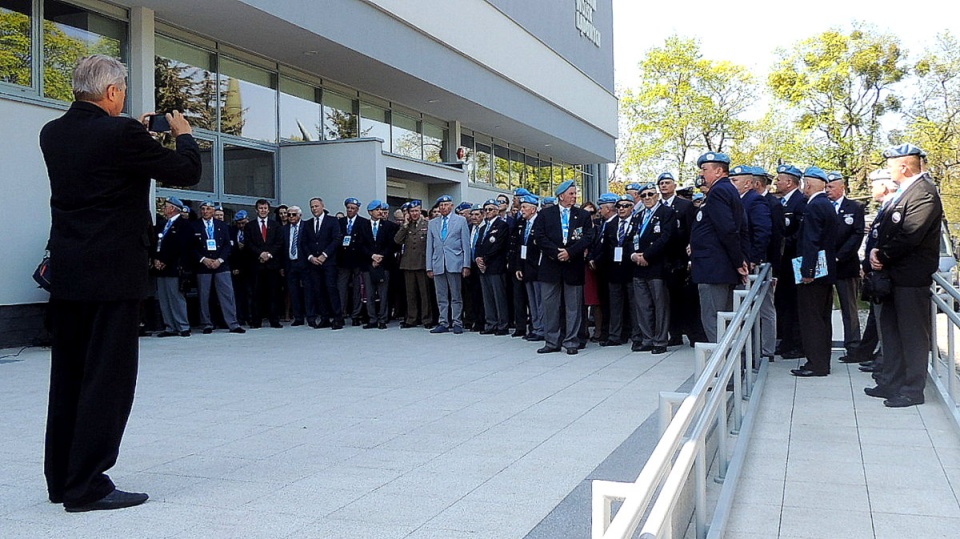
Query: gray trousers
(620, 294)
(224, 284)
(535, 297)
(905, 325)
(652, 309)
(768, 324)
(373, 291)
(173, 306)
(449, 298)
(347, 278)
(847, 292)
(495, 308)
(714, 298)
(572, 296)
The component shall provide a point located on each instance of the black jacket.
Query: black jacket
(818, 233)
(653, 241)
(223, 249)
(493, 246)
(909, 235)
(530, 266)
(849, 237)
(327, 240)
(549, 234)
(618, 272)
(357, 253)
(257, 245)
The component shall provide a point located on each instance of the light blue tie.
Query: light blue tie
(526, 233)
(349, 226)
(376, 228)
(836, 206)
(293, 244)
(565, 222)
(443, 230)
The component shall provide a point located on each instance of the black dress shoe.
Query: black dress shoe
(677, 341)
(659, 350)
(488, 331)
(792, 354)
(572, 351)
(371, 325)
(533, 338)
(167, 334)
(880, 392)
(207, 331)
(519, 334)
(381, 325)
(635, 347)
(404, 325)
(547, 350)
(611, 342)
(117, 499)
(849, 359)
(806, 373)
(645, 348)
(871, 363)
(502, 333)
(238, 329)
(254, 325)
(297, 323)
(355, 322)
(582, 345)
(902, 401)
(185, 333)
(276, 325)
(429, 325)
(868, 369)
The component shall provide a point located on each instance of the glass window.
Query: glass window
(299, 111)
(375, 122)
(15, 42)
(501, 168)
(483, 163)
(186, 80)
(207, 174)
(434, 142)
(249, 101)
(518, 172)
(339, 116)
(544, 179)
(469, 157)
(248, 172)
(70, 33)
(531, 172)
(406, 138)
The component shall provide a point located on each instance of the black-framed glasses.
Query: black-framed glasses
(624, 206)
(649, 195)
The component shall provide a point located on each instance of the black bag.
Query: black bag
(42, 274)
(877, 286)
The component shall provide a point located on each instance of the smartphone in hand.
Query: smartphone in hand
(158, 123)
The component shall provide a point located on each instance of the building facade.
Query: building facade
(291, 99)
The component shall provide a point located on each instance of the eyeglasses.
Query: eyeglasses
(624, 206)
(649, 195)
(491, 209)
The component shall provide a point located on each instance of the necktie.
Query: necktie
(783, 202)
(646, 220)
(349, 226)
(565, 223)
(473, 241)
(293, 241)
(622, 231)
(209, 230)
(376, 227)
(443, 229)
(316, 225)
(836, 206)
(263, 229)
(526, 233)
(486, 230)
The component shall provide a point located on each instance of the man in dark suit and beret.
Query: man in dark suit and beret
(785, 296)
(99, 246)
(849, 237)
(212, 247)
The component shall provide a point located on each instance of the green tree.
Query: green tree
(15, 57)
(842, 85)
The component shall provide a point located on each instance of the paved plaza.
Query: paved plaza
(348, 434)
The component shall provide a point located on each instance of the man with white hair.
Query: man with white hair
(99, 193)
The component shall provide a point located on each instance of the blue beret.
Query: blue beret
(374, 205)
(698, 196)
(550, 200)
(405, 206)
(789, 169)
(176, 202)
(218, 208)
(349, 201)
(608, 198)
(444, 198)
(648, 186)
(759, 171)
(521, 192)
(903, 150)
(464, 206)
(562, 188)
(415, 203)
(207, 203)
(242, 214)
(625, 198)
(741, 170)
(815, 172)
(491, 202)
(384, 206)
(665, 176)
(476, 207)
(713, 157)
(834, 176)
(632, 187)
(529, 199)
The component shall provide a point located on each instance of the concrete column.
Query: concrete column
(140, 83)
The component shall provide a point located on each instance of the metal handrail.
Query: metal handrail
(701, 408)
(942, 298)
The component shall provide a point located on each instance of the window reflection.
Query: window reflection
(544, 179)
(186, 80)
(406, 139)
(501, 168)
(15, 37)
(434, 142)
(339, 116)
(469, 157)
(69, 34)
(249, 101)
(299, 111)
(518, 173)
(374, 122)
(248, 172)
(531, 170)
(483, 163)
(206, 162)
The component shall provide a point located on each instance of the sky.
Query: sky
(748, 32)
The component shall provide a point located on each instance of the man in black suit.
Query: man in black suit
(598, 262)
(101, 258)
(563, 232)
(614, 250)
(526, 261)
(683, 319)
(241, 267)
(768, 312)
(655, 225)
(353, 257)
(382, 263)
(785, 297)
(265, 240)
(296, 266)
(320, 241)
(171, 259)
(815, 291)
(211, 253)
(849, 237)
(908, 249)
(491, 259)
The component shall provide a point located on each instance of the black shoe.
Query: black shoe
(255, 325)
(381, 325)
(371, 325)
(276, 325)
(635, 347)
(519, 333)
(488, 331)
(849, 359)
(439, 329)
(117, 499)
(167, 334)
(238, 329)
(868, 369)
(325, 324)
(458, 330)
(207, 331)
(611, 342)
(880, 392)
(503, 333)
(870, 363)
(185, 333)
(646, 348)
(404, 325)
(901, 401)
(297, 323)
(806, 373)
(676, 341)
(547, 350)
(792, 354)
(659, 350)
(355, 322)
(533, 338)
(582, 345)
(429, 325)
(572, 351)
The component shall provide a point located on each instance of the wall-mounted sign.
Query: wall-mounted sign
(585, 10)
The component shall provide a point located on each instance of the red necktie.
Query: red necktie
(263, 229)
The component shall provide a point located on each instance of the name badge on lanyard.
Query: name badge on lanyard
(523, 252)
(618, 254)
(211, 245)
(346, 241)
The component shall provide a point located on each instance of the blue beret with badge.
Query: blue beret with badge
(385, 206)
(476, 207)
(648, 186)
(373, 205)
(903, 150)
(405, 206)
(208, 203)
(521, 192)
(741, 170)
(415, 203)
(759, 171)
(834, 176)
(562, 188)
(549, 201)
(698, 196)
(444, 198)
(713, 157)
(789, 169)
(464, 206)
(240, 216)
(529, 199)
(351, 200)
(664, 176)
(176, 202)
(625, 198)
(608, 198)
(632, 187)
(491, 202)
(815, 173)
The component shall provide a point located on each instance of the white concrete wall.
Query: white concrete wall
(26, 200)
(333, 171)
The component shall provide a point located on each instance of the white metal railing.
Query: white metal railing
(943, 369)
(683, 444)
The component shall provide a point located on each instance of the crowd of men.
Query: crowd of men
(646, 268)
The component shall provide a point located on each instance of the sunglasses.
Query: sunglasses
(649, 195)
(624, 206)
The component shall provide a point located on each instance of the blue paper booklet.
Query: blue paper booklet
(821, 270)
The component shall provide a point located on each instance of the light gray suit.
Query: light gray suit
(446, 258)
